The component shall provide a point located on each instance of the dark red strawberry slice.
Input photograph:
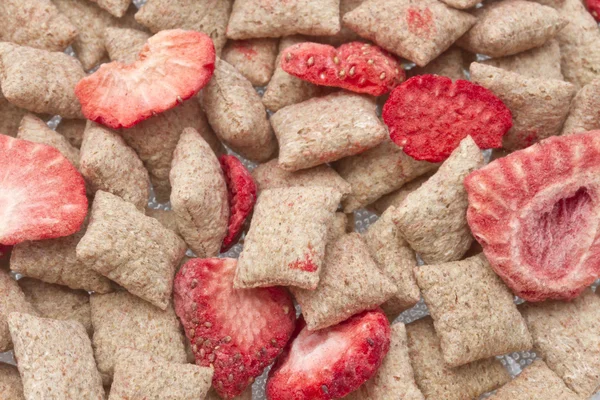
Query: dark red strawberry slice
(536, 213)
(241, 193)
(355, 66)
(173, 66)
(331, 362)
(428, 116)
(237, 331)
(593, 7)
(42, 196)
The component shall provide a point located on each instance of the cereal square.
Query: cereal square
(11, 386)
(253, 58)
(584, 114)
(12, 299)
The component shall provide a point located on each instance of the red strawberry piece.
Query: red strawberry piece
(173, 66)
(355, 66)
(42, 196)
(593, 7)
(428, 116)
(331, 362)
(237, 331)
(536, 214)
(241, 193)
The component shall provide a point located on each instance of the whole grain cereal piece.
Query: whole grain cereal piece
(350, 283)
(10, 117)
(473, 311)
(35, 23)
(123, 320)
(254, 58)
(54, 357)
(118, 8)
(326, 129)
(396, 198)
(12, 299)
(461, 4)
(72, 129)
(271, 176)
(246, 395)
(394, 376)
(286, 242)
(338, 227)
(396, 260)
(378, 171)
(537, 381)
(541, 62)
(166, 217)
(108, 164)
(539, 107)
(208, 16)
(423, 29)
(268, 18)
(11, 386)
(237, 115)
(40, 81)
(450, 63)
(123, 44)
(131, 249)
(58, 302)
(433, 218)
(585, 110)
(141, 376)
(438, 381)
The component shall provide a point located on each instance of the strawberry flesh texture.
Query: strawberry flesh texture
(429, 115)
(331, 362)
(593, 7)
(173, 66)
(42, 195)
(535, 212)
(241, 193)
(355, 66)
(238, 331)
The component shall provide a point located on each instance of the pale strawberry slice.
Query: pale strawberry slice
(237, 331)
(173, 66)
(536, 214)
(42, 196)
(331, 362)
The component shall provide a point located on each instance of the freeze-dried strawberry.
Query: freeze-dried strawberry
(331, 362)
(535, 213)
(42, 196)
(428, 116)
(241, 194)
(355, 66)
(593, 7)
(172, 66)
(237, 331)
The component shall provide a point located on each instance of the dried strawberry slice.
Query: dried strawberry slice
(536, 214)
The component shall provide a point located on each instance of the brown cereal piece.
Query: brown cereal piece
(118, 8)
(108, 164)
(584, 114)
(12, 299)
(396, 260)
(338, 228)
(166, 217)
(58, 302)
(423, 29)
(285, 89)
(462, 4)
(155, 140)
(72, 129)
(123, 320)
(539, 107)
(35, 23)
(326, 129)
(272, 18)
(567, 336)
(40, 81)
(199, 195)
(396, 198)
(378, 171)
(253, 58)
(450, 63)
(54, 357)
(345, 34)
(123, 44)
(246, 395)
(473, 311)
(35, 130)
(537, 381)
(395, 375)
(131, 249)
(438, 381)
(208, 16)
(433, 218)
(10, 117)
(350, 283)
(541, 62)
(237, 115)
(286, 242)
(509, 27)
(141, 376)
(11, 386)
